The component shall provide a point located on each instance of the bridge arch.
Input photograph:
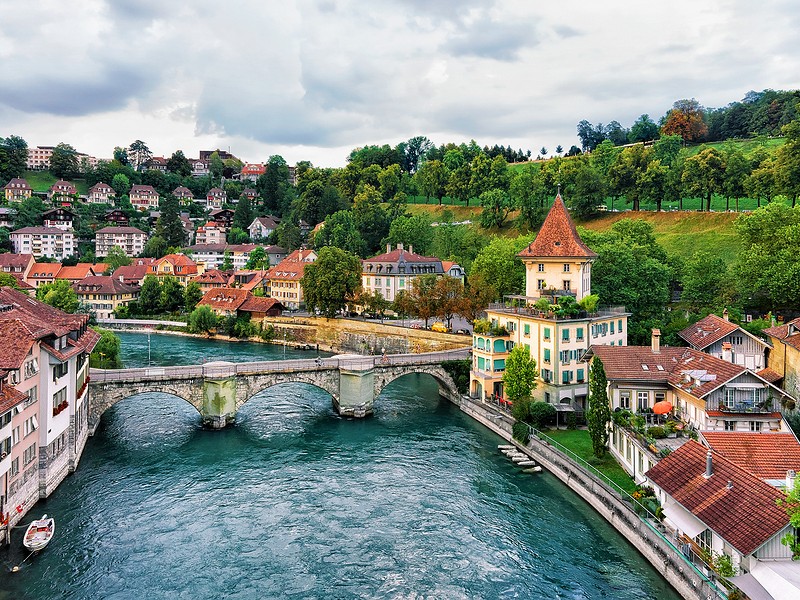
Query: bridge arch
(105, 396)
(326, 380)
(386, 375)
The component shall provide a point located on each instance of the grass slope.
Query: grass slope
(41, 181)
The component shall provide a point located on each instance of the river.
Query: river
(294, 502)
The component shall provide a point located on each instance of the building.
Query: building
(80, 271)
(103, 294)
(101, 193)
(183, 194)
(768, 457)
(42, 242)
(252, 171)
(227, 302)
(250, 194)
(212, 256)
(284, 278)
(156, 163)
(46, 354)
(200, 168)
(7, 216)
(144, 197)
(212, 279)
(180, 266)
(783, 361)
(215, 198)
(60, 218)
(396, 270)
(210, 233)
(547, 321)
(62, 192)
(263, 227)
(719, 337)
(134, 273)
(223, 217)
(43, 273)
(17, 190)
(117, 217)
(130, 239)
(716, 507)
(18, 265)
(39, 158)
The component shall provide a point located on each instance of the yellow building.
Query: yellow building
(557, 265)
(103, 294)
(284, 278)
(783, 360)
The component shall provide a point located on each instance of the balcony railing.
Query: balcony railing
(746, 407)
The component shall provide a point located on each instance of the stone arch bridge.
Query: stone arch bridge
(218, 390)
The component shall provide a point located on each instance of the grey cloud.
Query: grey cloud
(494, 40)
(565, 31)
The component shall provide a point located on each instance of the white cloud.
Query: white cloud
(311, 79)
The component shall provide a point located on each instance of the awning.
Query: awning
(683, 519)
(564, 408)
(750, 586)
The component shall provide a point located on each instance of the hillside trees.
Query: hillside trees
(64, 161)
(139, 154)
(703, 174)
(686, 120)
(13, 157)
(598, 414)
(331, 281)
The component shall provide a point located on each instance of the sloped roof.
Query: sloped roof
(17, 342)
(44, 270)
(101, 187)
(10, 397)
(43, 230)
(103, 284)
(8, 260)
(143, 189)
(399, 255)
(768, 374)
(17, 183)
(224, 298)
(257, 304)
(77, 272)
(114, 230)
(558, 237)
(39, 318)
(765, 455)
(709, 330)
(781, 332)
(746, 515)
(292, 267)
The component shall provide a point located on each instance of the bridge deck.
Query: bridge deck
(356, 363)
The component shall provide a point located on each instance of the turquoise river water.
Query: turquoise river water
(294, 502)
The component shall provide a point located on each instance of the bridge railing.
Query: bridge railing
(273, 366)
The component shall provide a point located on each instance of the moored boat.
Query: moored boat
(39, 533)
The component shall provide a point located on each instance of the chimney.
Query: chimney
(791, 478)
(655, 341)
(400, 246)
(727, 352)
(725, 314)
(709, 466)
(410, 249)
(388, 248)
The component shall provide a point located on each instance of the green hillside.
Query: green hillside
(41, 181)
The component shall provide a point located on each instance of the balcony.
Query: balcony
(556, 306)
(763, 407)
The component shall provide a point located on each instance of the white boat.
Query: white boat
(39, 533)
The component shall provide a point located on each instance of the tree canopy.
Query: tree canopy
(331, 281)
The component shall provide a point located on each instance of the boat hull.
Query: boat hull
(39, 534)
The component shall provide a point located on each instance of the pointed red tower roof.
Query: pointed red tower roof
(558, 237)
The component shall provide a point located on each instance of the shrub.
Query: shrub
(459, 371)
(540, 414)
(622, 418)
(521, 432)
(657, 432)
(572, 420)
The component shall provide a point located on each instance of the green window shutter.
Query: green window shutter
(547, 355)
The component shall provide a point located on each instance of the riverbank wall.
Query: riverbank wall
(330, 335)
(659, 552)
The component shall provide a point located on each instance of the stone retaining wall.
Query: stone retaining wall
(666, 559)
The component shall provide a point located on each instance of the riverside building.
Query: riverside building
(557, 330)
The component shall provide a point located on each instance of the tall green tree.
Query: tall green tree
(498, 263)
(64, 161)
(704, 277)
(116, 258)
(431, 179)
(243, 215)
(340, 231)
(703, 174)
(139, 154)
(425, 301)
(29, 213)
(172, 298)
(643, 129)
(179, 164)
(271, 185)
(519, 377)
(202, 320)
(150, 295)
(192, 294)
(496, 205)
(13, 157)
(258, 259)
(412, 231)
(331, 281)
(598, 415)
(370, 218)
(788, 162)
(58, 294)
(106, 354)
(169, 225)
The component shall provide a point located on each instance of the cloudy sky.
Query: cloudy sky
(312, 79)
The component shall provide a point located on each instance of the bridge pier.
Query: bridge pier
(356, 392)
(219, 402)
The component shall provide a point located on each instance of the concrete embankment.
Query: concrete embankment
(664, 557)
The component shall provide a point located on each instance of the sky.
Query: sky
(313, 79)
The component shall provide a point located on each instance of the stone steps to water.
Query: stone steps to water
(519, 458)
(533, 470)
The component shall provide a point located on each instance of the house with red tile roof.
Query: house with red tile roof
(783, 361)
(226, 301)
(77, 272)
(213, 278)
(18, 265)
(42, 273)
(557, 264)
(720, 337)
(252, 171)
(130, 239)
(215, 198)
(179, 266)
(263, 227)
(183, 194)
(210, 233)
(134, 273)
(284, 278)
(715, 506)
(144, 197)
(17, 190)
(768, 457)
(101, 193)
(395, 270)
(62, 191)
(104, 294)
(46, 354)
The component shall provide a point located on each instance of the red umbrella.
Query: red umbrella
(662, 407)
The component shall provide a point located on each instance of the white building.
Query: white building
(130, 239)
(46, 242)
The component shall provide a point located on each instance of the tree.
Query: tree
(559, 149)
(8, 280)
(527, 192)
(202, 320)
(258, 259)
(737, 170)
(415, 150)
(598, 415)
(170, 225)
(498, 263)
(179, 164)
(686, 120)
(243, 215)
(412, 230)
(227, 261)
(369, 217)
(116, 258)
(215, 166)
(58, 294)
(156, 247)
(150, 295)
(448, 293)
(626, 173)
(13, 157)
(496, 205)
(64, 161)
(478, 293)
(172, 296)
(238, 236)
(431, 179)
(403, 303)
(543, 152)
(704, 275)
(121, 184)
(192, 294)
(121, 155)
(587, 190)
(340, 231)
(643, 129)
(331, 281)
(425, 302)
(519, 377)
(272, 184)
(29, 213)
(389, 181)
(106, 353)
(787, 162)
(703, 174)
(139, 154)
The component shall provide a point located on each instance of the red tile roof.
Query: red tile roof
(10, 397)
(77, 272)
(707, 330)
(103, 284)
(44, 271)
(224, 298)
(769, 375)
(38, 318)
(765, 455)
(8, 261)
(753, 416)
(18, 184)
(134, 273)
(746, 515)
(788, 333)
(292, 266)
(17, 342)
(558, 237)
(398, 255)
(257, 304)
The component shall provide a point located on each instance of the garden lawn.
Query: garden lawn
(579, 442)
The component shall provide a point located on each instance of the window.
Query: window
(527, 329)
(729, 397)
(547, 397)
(29, 426)
(566, 376)
(547, 376)
(29, 454)
(565, 356)
(619, 325)
(565, 335)
(540, 284)
(15, 466)
(730, 425)
(541, 267)
(547, 355)
(59, 397)
(755, 425)
(60, 370)
(580, 375)
(566, 267)
(567, 284)
(704, 540)
(612, 327)
(546, 333)
(642, 400)
(625, 400)
(579, 334)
